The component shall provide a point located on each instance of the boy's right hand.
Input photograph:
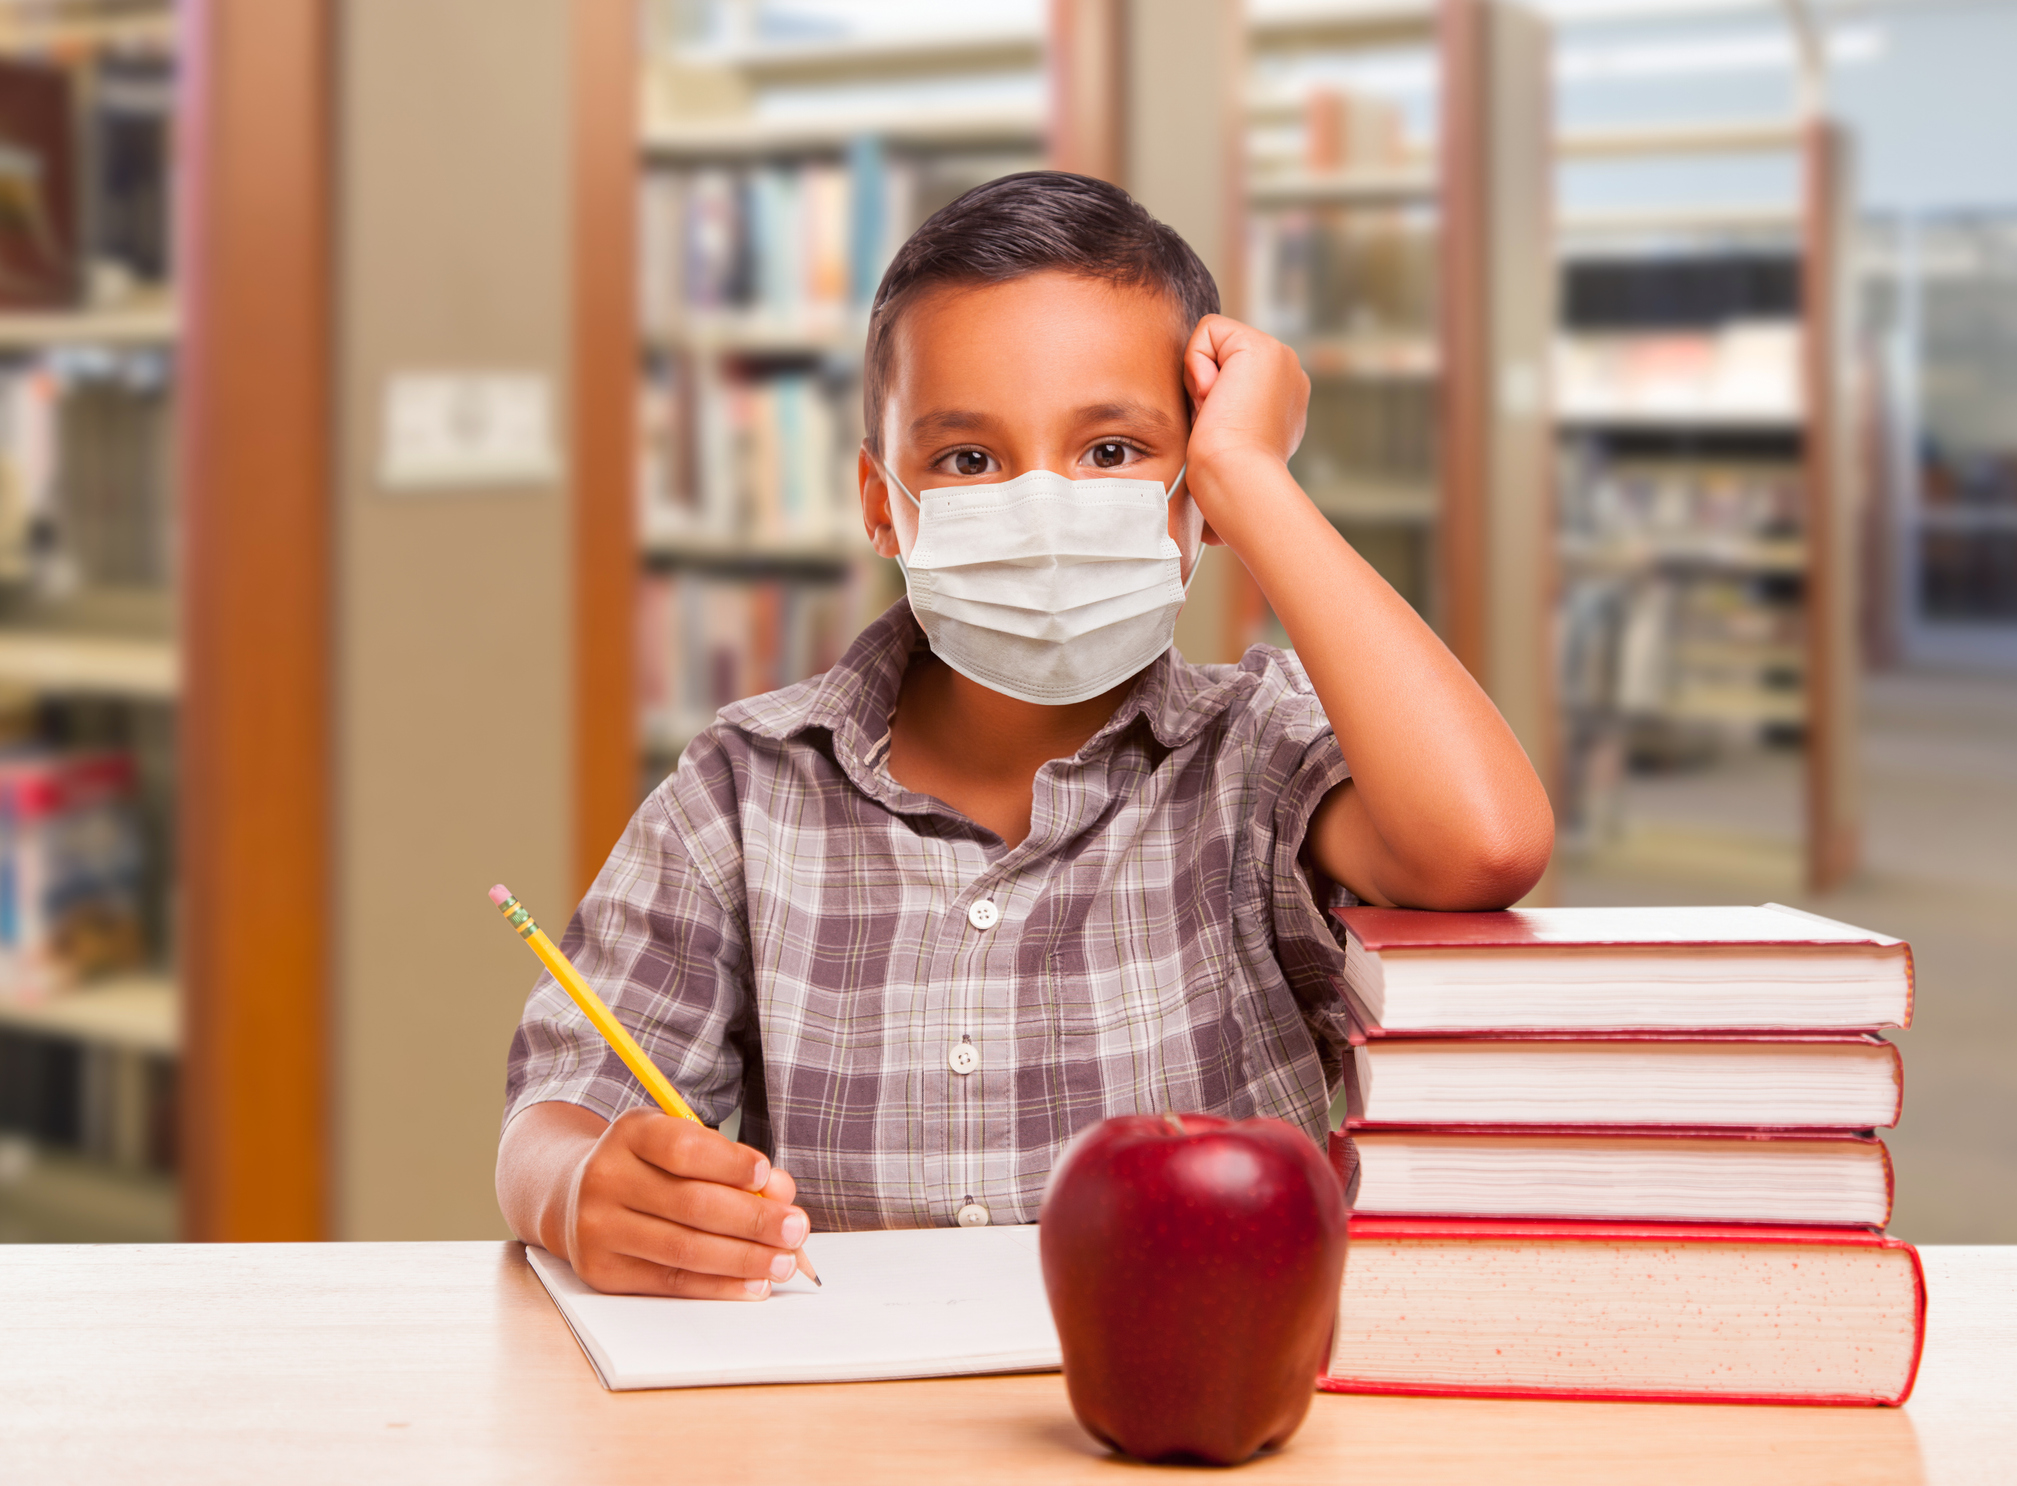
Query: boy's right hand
(662, 1206)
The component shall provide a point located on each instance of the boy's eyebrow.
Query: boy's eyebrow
(948, 420)
(1127, 411)
(962, 420)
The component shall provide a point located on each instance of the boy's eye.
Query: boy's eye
(969, 462)
(1109, 456)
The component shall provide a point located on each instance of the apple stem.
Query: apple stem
(1174, 1123)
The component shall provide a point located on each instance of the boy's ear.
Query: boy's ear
(875, 514)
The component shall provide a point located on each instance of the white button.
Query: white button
(983, 914)
(964, 1057)
(973, 1215)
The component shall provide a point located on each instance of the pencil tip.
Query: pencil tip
(819, 1282)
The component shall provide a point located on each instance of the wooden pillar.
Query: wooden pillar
(1085, 58)
(1464, 332)
(254, 745)
(1498, 587)
(605, 169)
(1834, 795)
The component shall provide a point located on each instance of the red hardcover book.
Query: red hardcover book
(1656, 1079)
(1649, 1312)
(1764, 968)
(38, 246)
(1774, 1177)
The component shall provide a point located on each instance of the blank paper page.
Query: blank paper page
(926, 1302)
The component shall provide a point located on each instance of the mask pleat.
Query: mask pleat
(1044, 588)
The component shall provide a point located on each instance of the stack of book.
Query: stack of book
(1624, 1152)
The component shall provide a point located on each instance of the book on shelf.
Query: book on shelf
(1746, 969)
(71, 868)
(1336, 267)
(1735, 374)
(1644, 1311)
(1689, 506)
(131, 147)
(38, 186)
(29, 400)
(752, 456)
(1343, 270)
(114, 508)
(796, 246)
(707, 639)
(1683, 620)
(86, 489)
(66, 1093)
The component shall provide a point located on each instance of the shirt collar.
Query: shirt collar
(855, 700)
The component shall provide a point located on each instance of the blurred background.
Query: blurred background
(418, 416)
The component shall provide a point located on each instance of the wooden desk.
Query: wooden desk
(439, 1362)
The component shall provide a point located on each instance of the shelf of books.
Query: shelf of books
(764, 226)
(88, 665)
(1342, 264)
(1400, 241)
(1701, 490)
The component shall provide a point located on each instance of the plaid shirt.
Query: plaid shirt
(912, 1014)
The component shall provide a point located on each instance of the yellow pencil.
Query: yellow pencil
(614, 1032)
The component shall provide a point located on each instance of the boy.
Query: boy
(1013, 865)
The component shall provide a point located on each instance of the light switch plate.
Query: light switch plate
(460, 430)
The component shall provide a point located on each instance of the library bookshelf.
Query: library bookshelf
(89, 661)
(1446, 352)
(170, 604)
(1707, 494)
(761, 239)
(1409, 261)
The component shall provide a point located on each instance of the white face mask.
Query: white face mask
(1045, 589)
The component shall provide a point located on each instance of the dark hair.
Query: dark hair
(1034, 222)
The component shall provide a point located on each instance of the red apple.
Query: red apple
(1193, 1267)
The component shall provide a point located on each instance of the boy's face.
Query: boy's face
(1047, 372)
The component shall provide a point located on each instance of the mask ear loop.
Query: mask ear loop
(891, 479)
(1198, 561)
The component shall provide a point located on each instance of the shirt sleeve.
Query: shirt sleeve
(1297, 763)
(654, 939)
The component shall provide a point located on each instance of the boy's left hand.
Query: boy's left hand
(1252, 400)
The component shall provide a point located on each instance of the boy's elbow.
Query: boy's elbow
(1510, 857)
(1505, 855)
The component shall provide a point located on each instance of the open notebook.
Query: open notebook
(927, 1302)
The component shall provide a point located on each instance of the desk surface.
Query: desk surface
(434, 1362)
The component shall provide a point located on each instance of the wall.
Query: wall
(453, 608)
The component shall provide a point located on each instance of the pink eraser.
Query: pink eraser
(500, 895)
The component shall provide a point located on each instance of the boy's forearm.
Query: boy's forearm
(536, 1160)
(1448, 812)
